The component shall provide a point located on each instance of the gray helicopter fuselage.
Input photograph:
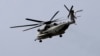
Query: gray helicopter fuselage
(53, 31)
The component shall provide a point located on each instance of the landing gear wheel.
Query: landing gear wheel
(60, 35)
(40, 40)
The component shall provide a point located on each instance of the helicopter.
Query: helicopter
(59, 29)
(52, 29)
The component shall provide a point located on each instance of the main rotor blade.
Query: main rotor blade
(33, 20)
(49, 22)
(54, 15)
(32, 28)
(66, 7)
(24, 25)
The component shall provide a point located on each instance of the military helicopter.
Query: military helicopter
(58, 29)
(51, 29)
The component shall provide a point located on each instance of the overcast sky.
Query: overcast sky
(82, 39)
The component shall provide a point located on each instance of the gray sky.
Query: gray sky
(82, 39)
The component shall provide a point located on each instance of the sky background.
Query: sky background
(82, 39)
